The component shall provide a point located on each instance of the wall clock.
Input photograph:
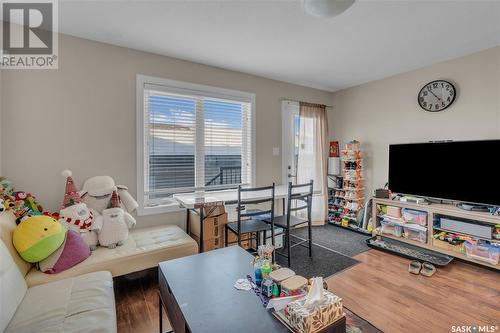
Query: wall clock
(436, 96)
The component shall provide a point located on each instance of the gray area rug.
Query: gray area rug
(340, 240)
(324, 262)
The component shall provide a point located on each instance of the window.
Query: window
(190, 137)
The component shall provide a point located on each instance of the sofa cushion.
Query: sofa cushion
(144, 248)
(12, 286)
(83, 303)
(7, 226)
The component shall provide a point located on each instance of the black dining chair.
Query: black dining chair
(303, 201)
(248, 221)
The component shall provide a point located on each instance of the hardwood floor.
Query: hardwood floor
(381, 291)
(136, 297)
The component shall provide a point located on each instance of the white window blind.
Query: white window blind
(194, 140)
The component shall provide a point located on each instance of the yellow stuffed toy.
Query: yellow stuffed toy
(37, 237)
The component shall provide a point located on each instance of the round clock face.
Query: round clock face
(436, 96)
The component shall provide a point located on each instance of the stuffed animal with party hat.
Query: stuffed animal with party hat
(115, 223)
(76, 216)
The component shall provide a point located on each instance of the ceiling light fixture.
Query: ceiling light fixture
(326, 8)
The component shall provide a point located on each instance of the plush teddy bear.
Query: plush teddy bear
(115, 224)
(76, 216)
(97, 191)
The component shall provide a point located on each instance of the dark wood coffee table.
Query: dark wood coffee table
(198, 294)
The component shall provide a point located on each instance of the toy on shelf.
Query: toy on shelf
(22, 204)
(76, 216)
(346, 203)
(6, 188)
(4, 205)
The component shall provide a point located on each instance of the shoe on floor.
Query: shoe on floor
(428, 269)
(415, 267)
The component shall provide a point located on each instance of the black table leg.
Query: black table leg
(187, 221)
(284, 210)
(160, 313)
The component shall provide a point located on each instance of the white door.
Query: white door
(290, 150)
(289, 141)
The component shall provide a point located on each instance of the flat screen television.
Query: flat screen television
(465, 171)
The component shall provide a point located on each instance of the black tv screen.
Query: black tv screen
(466, 171)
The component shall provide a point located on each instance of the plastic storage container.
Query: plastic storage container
(414, 216)
(415, 232)
(394, 211)
(483, 252)
(390, 228)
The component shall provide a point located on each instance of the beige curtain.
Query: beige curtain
(312, 155)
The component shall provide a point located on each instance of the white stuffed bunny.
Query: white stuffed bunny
(115, 224)
(96, 193)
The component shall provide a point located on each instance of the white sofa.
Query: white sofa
(80, 299)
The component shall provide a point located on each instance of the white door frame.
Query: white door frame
(288, 108)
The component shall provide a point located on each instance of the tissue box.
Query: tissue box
(312, 319)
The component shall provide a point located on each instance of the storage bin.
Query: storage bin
(414, 216)
(415, 232)
(459, 248)
(390, 228)
(382, 208)
(483, 252)
(394, 211)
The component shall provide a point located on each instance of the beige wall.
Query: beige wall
(386, 111)
(82, 116)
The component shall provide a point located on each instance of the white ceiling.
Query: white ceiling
(276, 39)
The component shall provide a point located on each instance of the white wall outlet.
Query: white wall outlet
(276, 151)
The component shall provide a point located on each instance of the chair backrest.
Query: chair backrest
(251, 196)
(303, 197)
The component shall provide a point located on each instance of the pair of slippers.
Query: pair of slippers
(425, 269)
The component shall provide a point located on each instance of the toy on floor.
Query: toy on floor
(115, 224)
(37, 237)
(76, 216)
(97, 193)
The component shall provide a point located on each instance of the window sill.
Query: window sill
(171, 207)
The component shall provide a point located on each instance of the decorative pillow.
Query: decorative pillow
(37, 237)
(73, 251)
